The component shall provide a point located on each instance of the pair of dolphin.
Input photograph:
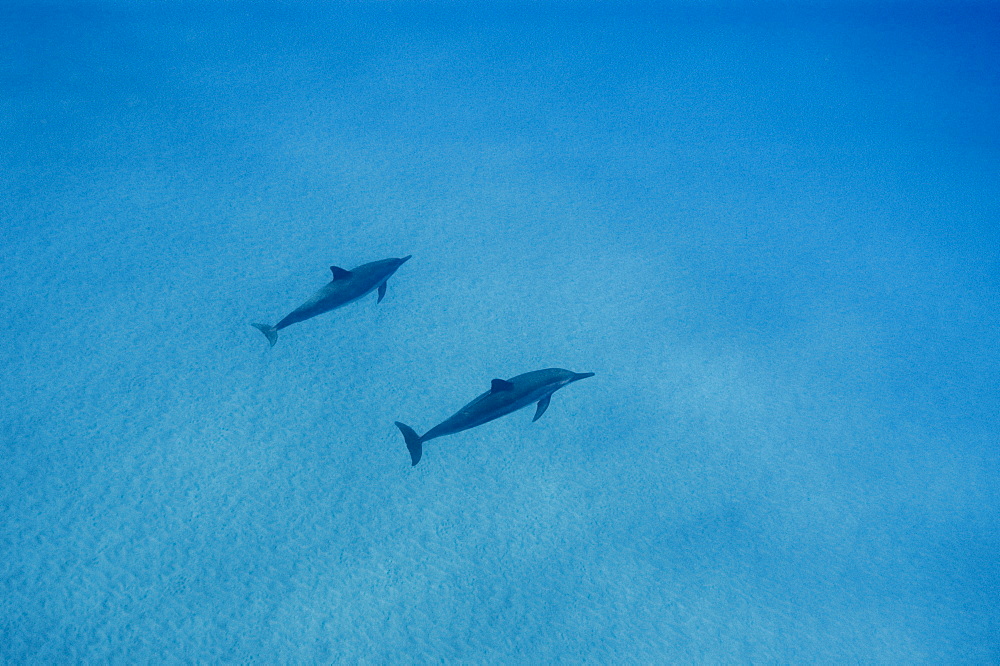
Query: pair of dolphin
(505, 395)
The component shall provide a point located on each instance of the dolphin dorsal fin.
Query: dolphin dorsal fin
(500, 385)
(339, 273)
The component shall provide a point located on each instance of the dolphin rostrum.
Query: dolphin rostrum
(505, 396)
(345, 287)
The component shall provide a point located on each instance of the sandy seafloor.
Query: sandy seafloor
(771, 230)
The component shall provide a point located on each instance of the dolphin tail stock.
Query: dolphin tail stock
(270, 332)
(414, 444)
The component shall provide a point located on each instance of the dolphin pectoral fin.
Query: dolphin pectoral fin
(381, 293)
(500, 385)
(413, 442)
(339, 273)
(270, 332)
(543, 404)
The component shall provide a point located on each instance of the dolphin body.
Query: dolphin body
(505, 396)
(345, 287)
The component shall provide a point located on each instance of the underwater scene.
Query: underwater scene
(500, 332)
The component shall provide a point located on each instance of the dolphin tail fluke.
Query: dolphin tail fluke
(270, 332)
(414, 444)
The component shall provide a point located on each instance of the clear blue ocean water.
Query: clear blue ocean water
(771, 229)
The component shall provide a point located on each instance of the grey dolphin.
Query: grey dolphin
(345, 287)
(504, 397)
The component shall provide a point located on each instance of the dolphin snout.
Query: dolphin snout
(403, 260)
(577, 376)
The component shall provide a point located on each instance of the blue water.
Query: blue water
(770, 229)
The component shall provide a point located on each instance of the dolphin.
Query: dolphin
(505, 396)
(345, 287)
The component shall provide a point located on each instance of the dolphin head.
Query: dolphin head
(392, 265)
(560, 377)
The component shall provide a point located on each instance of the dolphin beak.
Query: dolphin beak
(577, 376)
(405, 259)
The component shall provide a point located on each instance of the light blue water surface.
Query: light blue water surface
(771, 230)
